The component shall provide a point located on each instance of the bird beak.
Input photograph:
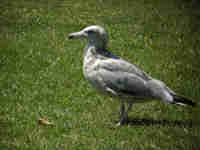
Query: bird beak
(80, 34)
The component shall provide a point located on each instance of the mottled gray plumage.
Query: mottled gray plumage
(112, 75)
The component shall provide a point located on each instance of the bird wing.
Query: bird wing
(120, 65)
(123, 78)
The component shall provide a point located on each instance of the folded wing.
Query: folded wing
(124, 78)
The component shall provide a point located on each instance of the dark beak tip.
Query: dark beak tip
(70, 37)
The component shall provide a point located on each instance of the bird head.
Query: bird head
(95, 35)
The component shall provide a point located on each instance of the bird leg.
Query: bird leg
(124, 113)
(129, 108)
(122, 110)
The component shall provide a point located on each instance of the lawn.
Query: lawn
(41, 74)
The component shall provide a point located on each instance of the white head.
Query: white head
(95, 35)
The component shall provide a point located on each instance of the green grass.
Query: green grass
(41, 74)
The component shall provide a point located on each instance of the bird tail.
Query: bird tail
(182, 101)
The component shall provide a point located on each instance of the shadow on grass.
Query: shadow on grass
(167, 123)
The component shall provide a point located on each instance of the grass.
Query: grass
(41, 74)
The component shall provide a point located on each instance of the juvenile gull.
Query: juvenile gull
(112, 75)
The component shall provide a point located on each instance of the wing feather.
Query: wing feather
(120, 65)
(124, 83)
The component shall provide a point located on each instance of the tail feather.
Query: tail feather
(180, 100)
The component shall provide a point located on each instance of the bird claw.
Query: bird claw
(122, 122)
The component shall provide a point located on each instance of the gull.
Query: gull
(114, 76)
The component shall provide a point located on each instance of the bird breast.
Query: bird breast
(90, 64)
(91, 71)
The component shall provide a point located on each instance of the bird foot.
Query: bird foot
(122, 122)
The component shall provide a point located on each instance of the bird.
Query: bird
(114, 76)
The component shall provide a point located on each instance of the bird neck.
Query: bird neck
(90, 50)
(94, 53)
(95, 47)
(96, 41)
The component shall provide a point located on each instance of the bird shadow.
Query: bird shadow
(164, 123)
